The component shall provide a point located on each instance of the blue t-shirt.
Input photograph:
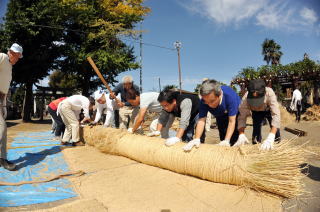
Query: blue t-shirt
(230, 104)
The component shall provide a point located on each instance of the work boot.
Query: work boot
(64, 143)
(79, 143)
(7, 165)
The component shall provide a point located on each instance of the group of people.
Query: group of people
(126, 107)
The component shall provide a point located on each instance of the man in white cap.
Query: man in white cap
(105, 105)
(6, 63)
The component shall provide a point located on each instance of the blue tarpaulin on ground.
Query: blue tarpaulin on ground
(37, 157)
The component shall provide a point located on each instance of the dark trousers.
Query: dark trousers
(116, 118)
(189, 131)
(57, 118)
(298, 112)
(258, 117)
(222, 123)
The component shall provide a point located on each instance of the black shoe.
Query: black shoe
(7, 165)
(79, 143)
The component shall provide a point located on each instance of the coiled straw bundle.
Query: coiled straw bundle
(277, 171)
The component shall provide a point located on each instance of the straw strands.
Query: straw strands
(275, 171)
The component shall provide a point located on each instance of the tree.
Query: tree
(93, 28)
(23, 24)
(271, 52)
(59, 79)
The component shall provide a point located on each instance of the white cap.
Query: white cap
(98, 94)
(16, 48)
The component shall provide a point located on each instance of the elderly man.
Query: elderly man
(261, 102)
(6, 63)
(70, 109)
(184, 106)
(105, 106)
(222, 102)
(127, 111)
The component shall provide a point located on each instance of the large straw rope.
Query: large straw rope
(275, 171)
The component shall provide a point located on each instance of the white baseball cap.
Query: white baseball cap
(16, 48)
(98, 94)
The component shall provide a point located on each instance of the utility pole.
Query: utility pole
(177, 45)
(140, 57)
(159, 85)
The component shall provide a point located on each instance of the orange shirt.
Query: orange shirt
(54, 104)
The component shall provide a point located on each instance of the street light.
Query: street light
(177, 45)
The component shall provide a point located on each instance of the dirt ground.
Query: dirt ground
(114, 183)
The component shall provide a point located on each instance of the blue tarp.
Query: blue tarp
(37, 157)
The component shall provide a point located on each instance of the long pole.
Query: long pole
(140, 57)
(180, 83)
(159, 85)
(177, 45)
(95, 68)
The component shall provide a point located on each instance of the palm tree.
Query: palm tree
(271, 52)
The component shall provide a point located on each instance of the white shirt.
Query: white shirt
(79, 102)
(107, 108)
(149, 100)
(5, 73)
(296, 96)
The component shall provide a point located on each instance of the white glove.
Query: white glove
(153, 125)
(130, 130)
(192, 143)
(268, 143)
(153, 133)
(171, 141)
(241, 140)
(224, 143)
(4, 112)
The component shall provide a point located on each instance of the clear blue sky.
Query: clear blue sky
(220, 37)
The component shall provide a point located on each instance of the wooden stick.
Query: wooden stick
(95, 68)
(296, 131)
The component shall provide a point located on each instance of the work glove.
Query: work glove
(241, 140)
(4, 112)
(171, 141)
(153, 133)
(224, 143)
(130, 130)
(92, 124)
(191, 144)
(268, 143)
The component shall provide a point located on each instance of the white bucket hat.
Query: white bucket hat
(16, 48)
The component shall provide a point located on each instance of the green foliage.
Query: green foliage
(59, 79)
(18, 96)
(271, 52)
(99, 24)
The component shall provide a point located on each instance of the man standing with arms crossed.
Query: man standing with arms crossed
(6, 63)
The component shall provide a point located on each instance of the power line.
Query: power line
(79, 31)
